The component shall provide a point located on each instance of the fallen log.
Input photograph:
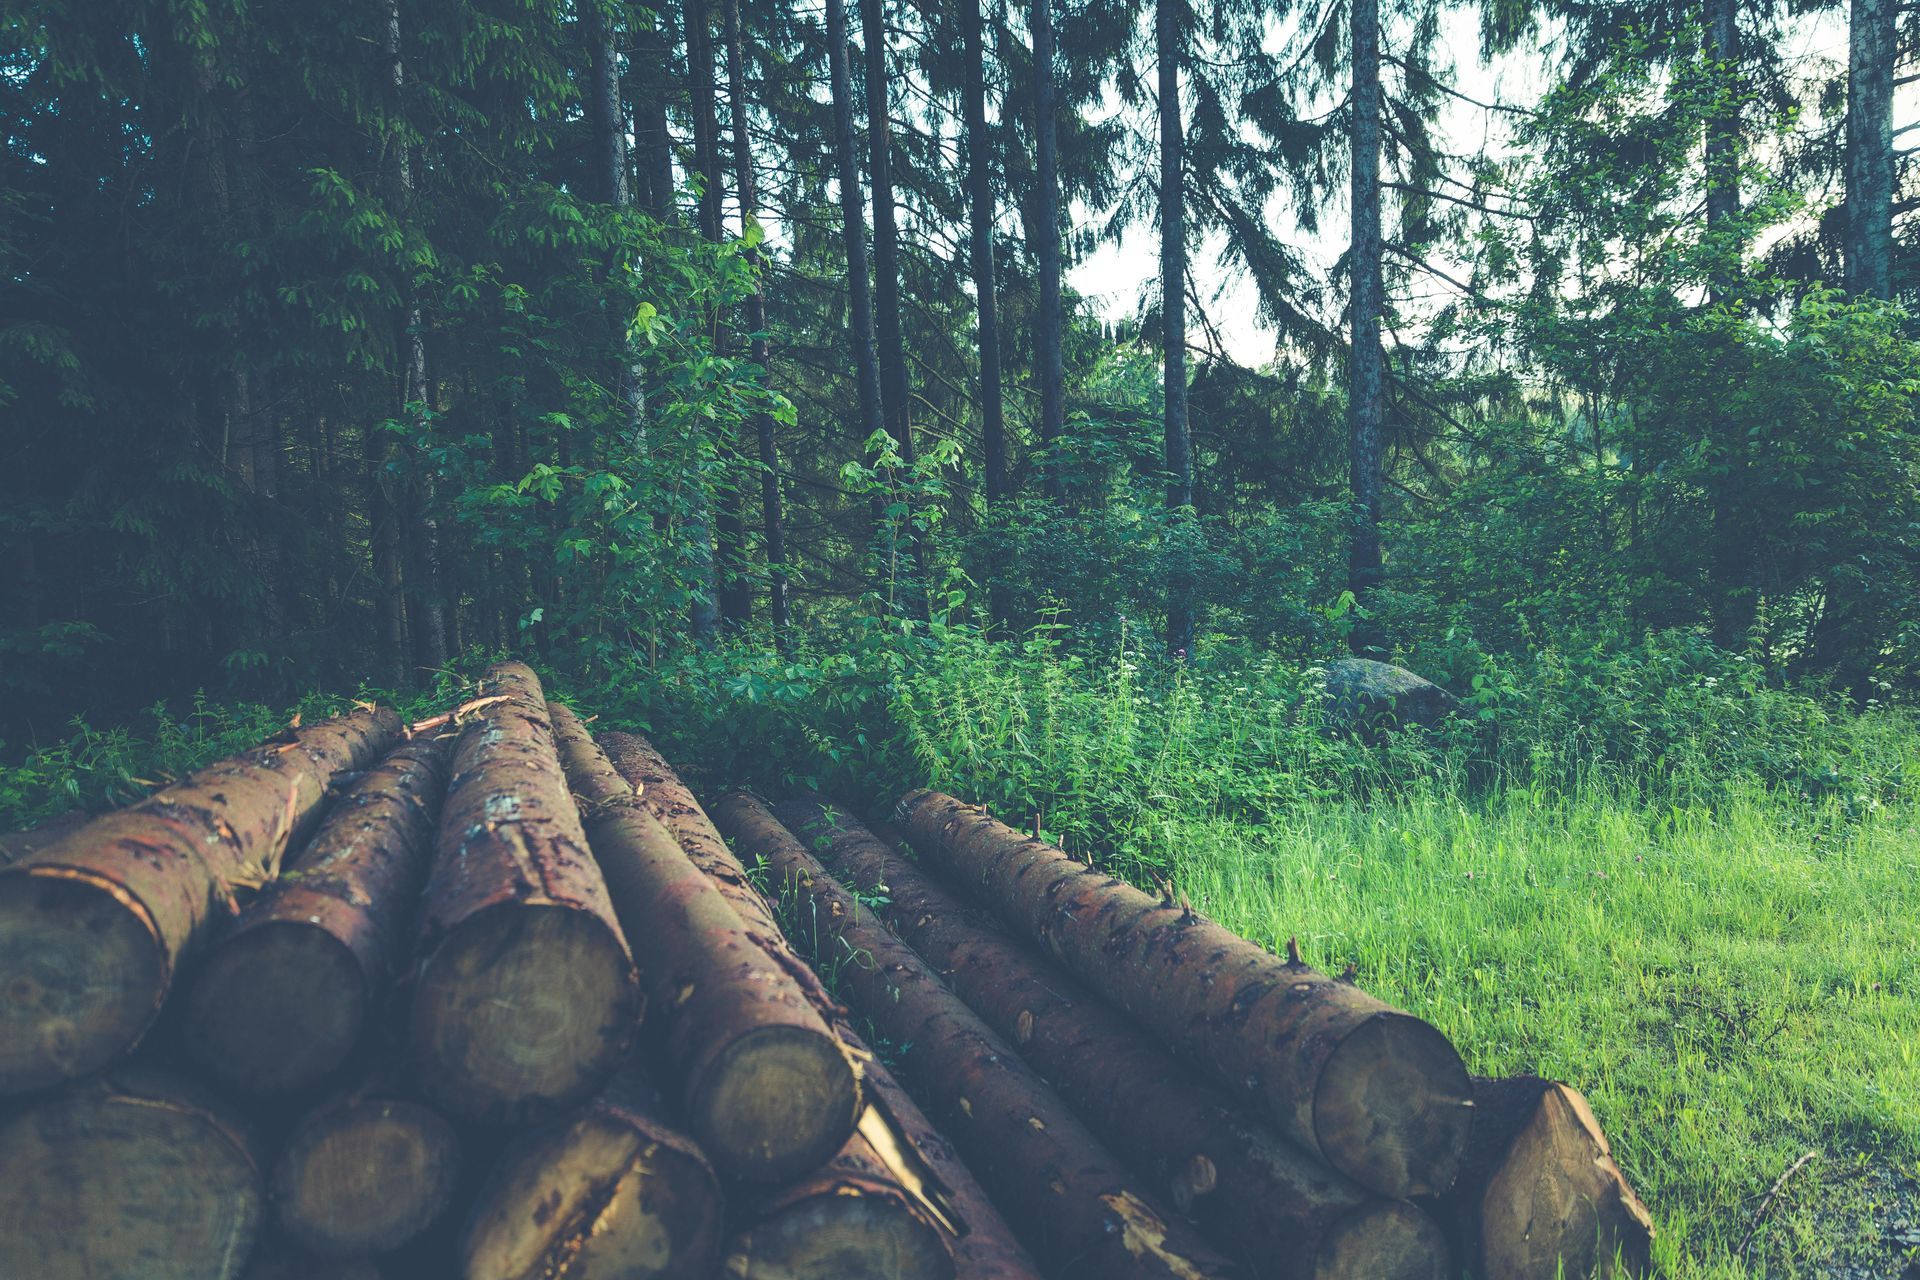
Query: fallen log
(17, 846)
(767, 1089)
(526, 999)
(94, 924)
(132, 1173)
(1539, 1194)
(1064, 1193)
(1259, 1197)
(1376, 1093)
(611, 1190)
(984, 1248)
(364, 1173)
(280, 1001)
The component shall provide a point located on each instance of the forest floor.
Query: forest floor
(1733, 987)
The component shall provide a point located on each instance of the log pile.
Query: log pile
(492, 997)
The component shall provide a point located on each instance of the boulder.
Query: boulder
(1376, 697)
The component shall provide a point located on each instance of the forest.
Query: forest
(1030, 399)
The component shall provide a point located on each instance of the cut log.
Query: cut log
(526, 999)
(132, 1175)
(984, 1248)
(1256, 1195)
(17, 846)
(364, 1173)
(768, 1091)
(851, 1220)
(1539, 1194)
(1064, 1193)
(1378, 1094)
(94, 925)
(280, 1001)
(612, 1190)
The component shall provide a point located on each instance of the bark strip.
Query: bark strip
(526, 998)
(767, 1088)
(1376, 1093)
(1066, 1195)
(1256, 1195)
(282, 999)
(94, 925)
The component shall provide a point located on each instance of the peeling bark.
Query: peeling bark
(1376, 1093)
(94, 925)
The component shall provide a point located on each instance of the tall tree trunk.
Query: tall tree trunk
(1869, 233)
(652, 56)
(853, 230)
(610, 156)
(980, 210)
(1723, 138)
(1173, 318)
(1050, 366)
(1736, 600)
(773, 525)
(1366, 397)
(716, 536)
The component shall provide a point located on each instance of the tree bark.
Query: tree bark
(1539, 1193)
(616, 189)
(1869, 235)
(1173, 319)
(1254, 1194)
(94, 925)
(1366, 396)
(1376, 1093)
(725, 576)
(364, 1172)
(653, 51)
(1064, 1192)
(1049, 365)
(133, 1173)
(1722, 18)
(773, 526)
(768, 1090)
(980, 219)
(613, 1189)
(526, 996)
(282, 999)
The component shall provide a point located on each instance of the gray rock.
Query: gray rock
(1375, 697)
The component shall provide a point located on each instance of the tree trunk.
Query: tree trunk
(980, 215)
(94, 926)
(610, 158)
(1378, 1094)
(613, 1189)
(653, 51)
(526, 995)
(133, 1173)
(1366, 396)
(1539, 1193)
(282, 999)
(1064, 1192)
(768, 1090)
(365, 1172)
(1869, 237)
(1722, 19)
(773, 526)
(1049, 366)
(1254, 1194)
(1173, 319)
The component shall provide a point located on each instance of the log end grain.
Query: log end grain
(129, 1174)
(365, 1176)
(82, 975)
(276, 1009)
(1385, 1240)
(778, 1101)
(1393, 1107)
(598, 1195)
(522, 1009)
(841, 1237)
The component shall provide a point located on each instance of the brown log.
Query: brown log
(133, 1175)
(853, 1219)
(526, 998)
(282, 998)
(1539, 1194)
(1378, 1094)
(94, 925)
(1064, 1193)
(611, 1190)
(984, 1248)
(1256, 1195)
(364, 1172)
(768, 1091)
(17, 846)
